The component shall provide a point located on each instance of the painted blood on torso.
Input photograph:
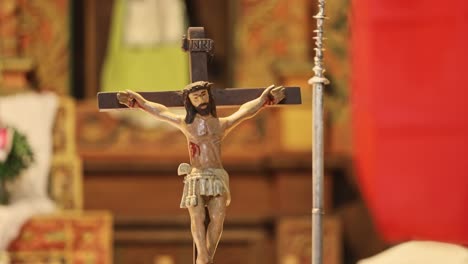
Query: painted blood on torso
(204, 137)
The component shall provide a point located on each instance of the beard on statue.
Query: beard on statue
(204, 109)
(198, 99)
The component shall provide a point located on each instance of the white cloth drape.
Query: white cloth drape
(33, 115)
(421, 252)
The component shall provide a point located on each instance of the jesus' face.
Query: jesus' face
(201, 101)
(198, 99)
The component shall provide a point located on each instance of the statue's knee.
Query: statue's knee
(218, 217)
(197, 215)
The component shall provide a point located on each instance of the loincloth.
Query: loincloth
(209, 182)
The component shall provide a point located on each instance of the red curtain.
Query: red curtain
(410, 115)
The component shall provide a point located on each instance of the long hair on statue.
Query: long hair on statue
(190, 108)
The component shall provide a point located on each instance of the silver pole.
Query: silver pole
(318, 82)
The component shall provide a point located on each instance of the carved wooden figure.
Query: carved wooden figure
(206, 184)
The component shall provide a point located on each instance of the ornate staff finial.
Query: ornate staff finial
(318, 82)
(318, 60)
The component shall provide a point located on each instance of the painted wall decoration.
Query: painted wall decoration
(266, 32)
(45, 37)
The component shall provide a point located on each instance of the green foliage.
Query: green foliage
(20, 158)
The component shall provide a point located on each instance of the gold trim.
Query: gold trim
(17, 64)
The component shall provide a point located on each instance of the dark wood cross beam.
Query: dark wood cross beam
(199, 49)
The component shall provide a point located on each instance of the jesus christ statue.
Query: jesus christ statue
(206, 184)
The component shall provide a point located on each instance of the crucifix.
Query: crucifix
(206, 184)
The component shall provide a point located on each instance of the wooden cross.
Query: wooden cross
(199, 47)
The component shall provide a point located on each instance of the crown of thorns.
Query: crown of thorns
(195, 86)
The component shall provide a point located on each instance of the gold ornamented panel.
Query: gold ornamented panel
(65, 238)
(268, 32)
(66, 182)
(45, 38)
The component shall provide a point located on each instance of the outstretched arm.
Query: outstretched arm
(270, 96)
(135, 100)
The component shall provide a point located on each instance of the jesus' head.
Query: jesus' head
(198, 99)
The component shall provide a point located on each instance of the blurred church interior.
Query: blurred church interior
(395, 131)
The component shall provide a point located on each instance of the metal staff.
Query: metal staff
(318, 82)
